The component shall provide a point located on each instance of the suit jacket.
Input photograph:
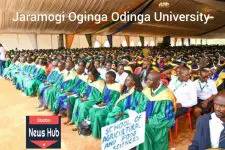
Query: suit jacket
(202, 139)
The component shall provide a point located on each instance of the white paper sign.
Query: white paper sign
(125, 134)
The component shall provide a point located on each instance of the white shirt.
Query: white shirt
(121, 78)
(185, 92)
(157, 88)
(205, 90)
(2, 53)
(215, 127)
(103, 72)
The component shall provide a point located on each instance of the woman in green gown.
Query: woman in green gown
(92, 94)
(33, 82)
(129, 99)
(99, 113)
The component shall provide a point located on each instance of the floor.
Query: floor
(14, 107)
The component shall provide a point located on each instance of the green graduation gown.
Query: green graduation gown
(160, 115)
(19, 72)
(51, 93)
(10, 72)
(50, 80)
(98, 115)
(7, 63)
(94, 94)
(32, 83)
(7, 70)
(28, 69)
(129, 100)
(77, 86)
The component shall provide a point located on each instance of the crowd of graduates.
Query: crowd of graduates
(103, 85)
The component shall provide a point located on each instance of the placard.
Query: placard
(125, 134)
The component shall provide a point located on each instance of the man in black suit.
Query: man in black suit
(210, 131)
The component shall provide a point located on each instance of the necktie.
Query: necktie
(222, 138)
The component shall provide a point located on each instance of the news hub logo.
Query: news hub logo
(43, 132)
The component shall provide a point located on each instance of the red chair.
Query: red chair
(171, 138)
(165, 82)
(188, 116)
(137, 70)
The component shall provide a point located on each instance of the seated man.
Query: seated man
(55, 78)
(107, 68)
(206, 91)
(60, 104)
(63, 84)
(121, 75)
(34, 80)
(27, 70)
(17, 73)
(50, 80)
(7, 71)
(159, 103)
(184, 91)
(210, 131)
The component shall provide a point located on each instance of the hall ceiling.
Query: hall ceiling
(215, 28)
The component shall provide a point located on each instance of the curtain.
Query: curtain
(142, 40)
(127, 40)
(89, 39)
(109, 37)
(69, 40)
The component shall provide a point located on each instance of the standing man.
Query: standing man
(2, 59)
(210, 131)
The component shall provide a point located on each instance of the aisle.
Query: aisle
(14, 107)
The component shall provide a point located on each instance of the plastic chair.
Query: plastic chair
(165, 82)
(171, 138)
(188, 116)
(137, 70)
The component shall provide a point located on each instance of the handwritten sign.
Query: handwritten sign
(125, 134)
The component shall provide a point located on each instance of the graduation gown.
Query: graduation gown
(50, 80)
(15, 70)
(98, 115)
(7, 63)
(10, 72)
(129, 100)
(7, 70)
(77, 87)
(94, 94)
(21, 69)
(32, 84)
(220, 82)
(51, 93)
(28, 70)
(160, 116)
